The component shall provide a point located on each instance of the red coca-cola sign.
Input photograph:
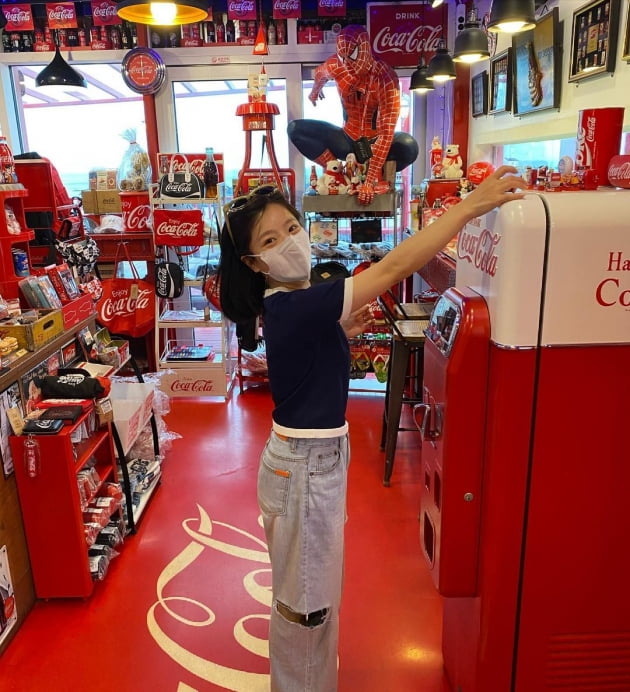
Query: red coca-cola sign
(178, 227)
(331, 8)
(19, 18)
(402, 32)
(287, 9)
(61, 15)
(241, 9)
(104, 13)
(619, 171)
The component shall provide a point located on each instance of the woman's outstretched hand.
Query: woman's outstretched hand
(499, 187)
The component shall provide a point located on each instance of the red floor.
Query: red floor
(184, 606)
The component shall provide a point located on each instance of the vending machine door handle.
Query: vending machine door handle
(421, 414)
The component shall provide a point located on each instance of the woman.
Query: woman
(264, 270)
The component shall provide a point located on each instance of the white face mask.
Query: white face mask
(290, 260)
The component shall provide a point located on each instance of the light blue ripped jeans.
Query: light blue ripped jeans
(302, 496)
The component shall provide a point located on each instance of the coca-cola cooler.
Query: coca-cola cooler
(525, 510)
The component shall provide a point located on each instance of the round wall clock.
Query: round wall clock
(143, 70)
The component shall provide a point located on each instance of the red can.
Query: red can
(136, 211)
(598, 139)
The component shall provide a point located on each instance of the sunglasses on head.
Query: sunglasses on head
(240, 203)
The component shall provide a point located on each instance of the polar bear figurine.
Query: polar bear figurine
(452, 162)
(333, 182)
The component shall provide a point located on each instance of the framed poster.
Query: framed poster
(626, 38)
(479, 94)
(594, 39)
(537, 66)
(9, 399)
(501, 82)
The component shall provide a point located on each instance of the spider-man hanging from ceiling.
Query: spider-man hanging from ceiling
(370, 97)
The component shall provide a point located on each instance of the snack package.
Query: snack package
(134, 172)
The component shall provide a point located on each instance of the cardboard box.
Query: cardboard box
(132, 403)
(101, 202)
(48, 325)
(195, 382)
(77, 310)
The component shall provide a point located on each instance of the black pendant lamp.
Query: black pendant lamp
(441, 67)
(59, 73)
(471, 44)
(420, 81)
(163, 12)
(512, 16)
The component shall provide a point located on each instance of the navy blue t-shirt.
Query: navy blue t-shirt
(308, 358)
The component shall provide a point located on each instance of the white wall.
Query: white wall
(595, 92)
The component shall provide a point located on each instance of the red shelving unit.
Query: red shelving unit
(12, 199)
(51, 507)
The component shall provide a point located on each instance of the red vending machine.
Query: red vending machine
(525, 513)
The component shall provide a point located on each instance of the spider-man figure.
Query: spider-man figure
(370, 96)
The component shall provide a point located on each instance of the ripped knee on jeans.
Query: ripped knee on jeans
(314, 619)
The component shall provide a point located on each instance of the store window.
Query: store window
(77, 129)
(534, 154)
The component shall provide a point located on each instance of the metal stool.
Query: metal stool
(404, 379)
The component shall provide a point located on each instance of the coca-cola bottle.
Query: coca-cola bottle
(211, 36)
(281, 32)
(210, 173)
(272, 36)
(313, 178)
(230, 31)
(220, 31)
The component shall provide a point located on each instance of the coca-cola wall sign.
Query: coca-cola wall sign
(619, 171)
(61, 15)
(331, 8)
(104, 13)
(287, 9)
(402, 32)
(241, 9)
(19, 17)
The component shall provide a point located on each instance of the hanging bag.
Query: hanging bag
(127, 305)
(180, 184)
(169, 276)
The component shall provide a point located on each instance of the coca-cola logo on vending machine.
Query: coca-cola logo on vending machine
(479, 250)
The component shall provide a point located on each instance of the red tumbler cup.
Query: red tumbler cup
(598, 139)
(136, 211)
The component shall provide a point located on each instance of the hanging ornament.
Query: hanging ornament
(260, 45)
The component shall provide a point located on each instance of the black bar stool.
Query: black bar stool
(404, 376)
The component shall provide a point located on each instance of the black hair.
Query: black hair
(241, 290)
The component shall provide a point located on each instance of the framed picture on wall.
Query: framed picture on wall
(501, 82)
(626, 40)
(594, 39)
(479, 94)
(537, 66)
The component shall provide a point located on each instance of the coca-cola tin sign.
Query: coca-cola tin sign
(104, 13)
(287, 9)
(241, 9)
(19, 18)
(619, 171)
(401, 32)
(182, 160)
(177, 227)
(61, 15)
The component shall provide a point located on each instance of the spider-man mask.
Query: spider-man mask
(353, 49)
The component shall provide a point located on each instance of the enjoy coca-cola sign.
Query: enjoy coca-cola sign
(177, 227)
(403, 32)
(619, 171)
(123, 301)
(19, 17)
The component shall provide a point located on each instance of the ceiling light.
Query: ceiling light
(512, 16)
(420, 82)
(441, 68)
(59, 73)
(436, 3)
(471, 44)
(163, 12)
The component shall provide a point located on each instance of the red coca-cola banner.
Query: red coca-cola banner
(401, 32)
(331, 8)
(619, 171)
(104, 13)
(177, 227)
(287, 9)
(61, 15)
(19, 18)
(241, 9)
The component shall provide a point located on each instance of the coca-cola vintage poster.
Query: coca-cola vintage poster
(401, 32)
(19, 18)
(179, 163)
